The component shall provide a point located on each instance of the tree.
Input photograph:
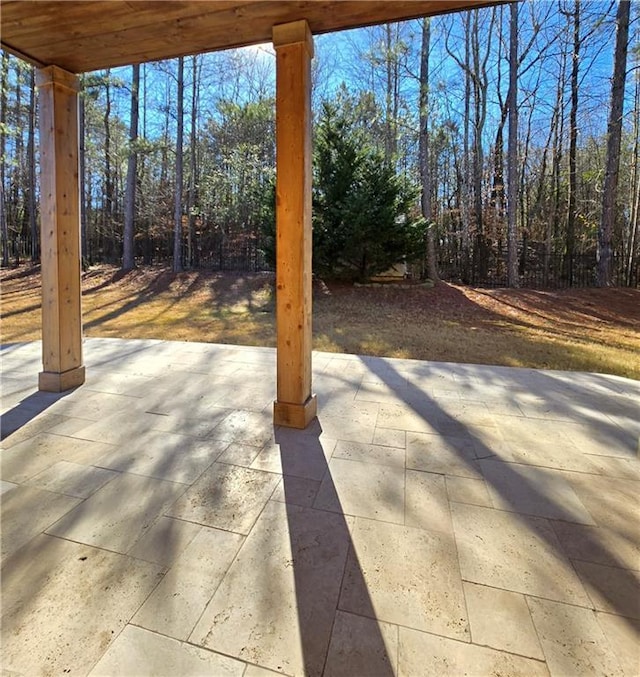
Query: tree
(573, 146)
(634, 188)
(31, 172)
(82, 179)
(238, 168)
(4, 227)
(614, 135)
(107, 223)
(192, 250)
(447, 136)
(101, 157)
(177, 210)
(480, 85)
(558, 125)
(424, 151)
(380, 62)
(362, 224)
(128, 253)
(513, 279)
(474, 67)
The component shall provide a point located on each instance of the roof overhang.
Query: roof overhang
(81, 35)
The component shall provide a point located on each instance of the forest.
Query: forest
(495, 147)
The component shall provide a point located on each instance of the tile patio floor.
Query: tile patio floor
(437, 519)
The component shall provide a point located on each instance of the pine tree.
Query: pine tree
(362, 224)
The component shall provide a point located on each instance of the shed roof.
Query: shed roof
(82, 35)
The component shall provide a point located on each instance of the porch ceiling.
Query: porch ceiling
(82, 36)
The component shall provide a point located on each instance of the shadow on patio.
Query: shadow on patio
(436, 519)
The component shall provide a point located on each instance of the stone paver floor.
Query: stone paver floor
(437, 519)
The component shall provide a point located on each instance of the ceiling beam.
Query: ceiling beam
(83, 35)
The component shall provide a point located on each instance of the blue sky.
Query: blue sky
(341, 57)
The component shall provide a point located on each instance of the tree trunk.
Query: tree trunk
(466, 171)
(4, 228)
(480, 82)
(82, 159)
(524, 199)
(108, 179)
(128, 251)
(513, 279)
(573, 150)
(166, 188)
(497, 192)
(18, 181)
(558, 155)
(634, 221)
(177, 212)
(391, 93)
(31, 160)
(424, 150)
(614, 134)
(193, 168)
(537, 207)
(497, 199)
(146, 198)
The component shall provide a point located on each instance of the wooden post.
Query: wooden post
(295, 406)
(60, 231)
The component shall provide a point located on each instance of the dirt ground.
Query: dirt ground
(581, 329)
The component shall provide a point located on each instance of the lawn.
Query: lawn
(585, 329)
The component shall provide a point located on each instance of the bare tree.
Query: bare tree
(474, 66)
(634, 197)
(464, 179)
(512, 156)
(614, 134)
(177, 211)
(466, 165)
(424, 150)
(128, 244)
(17, 183)
(573, 145)
(192, 258)
(4, 228)
(391, 94)
(31, 171)
(107, 214)
(480, 85)
(82, 161)
(558, 123)
(530, 53)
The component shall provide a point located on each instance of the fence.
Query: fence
(244, 252)
(536, 271)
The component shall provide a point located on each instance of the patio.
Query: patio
(437, 519)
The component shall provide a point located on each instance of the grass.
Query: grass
(594, 330)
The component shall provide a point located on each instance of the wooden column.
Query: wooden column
(60, 231)
(295, 406)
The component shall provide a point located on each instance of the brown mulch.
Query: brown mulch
(577, 315)
(619, 306)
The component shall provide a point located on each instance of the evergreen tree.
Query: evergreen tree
(361, 221)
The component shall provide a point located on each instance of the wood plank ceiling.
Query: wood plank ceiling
(81, 36)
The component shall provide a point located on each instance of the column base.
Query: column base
(295, 415)
(56, 382)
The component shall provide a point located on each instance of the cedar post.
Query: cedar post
(60, 231)
(295, 406)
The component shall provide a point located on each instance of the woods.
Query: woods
(496, 147)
